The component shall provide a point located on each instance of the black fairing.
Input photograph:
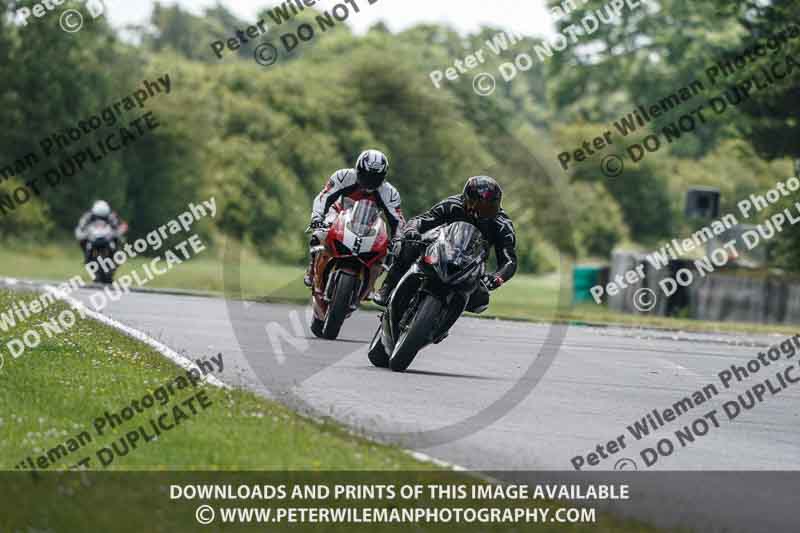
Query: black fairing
(450, 270)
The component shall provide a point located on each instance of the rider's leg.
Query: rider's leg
(404, 258)
(308, 278)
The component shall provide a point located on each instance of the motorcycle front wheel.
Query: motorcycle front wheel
(340, 305)
(417, 335)
(377, 353)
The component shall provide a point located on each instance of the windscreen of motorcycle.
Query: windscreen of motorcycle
(99, 231)
(364, 215)
(458, 250)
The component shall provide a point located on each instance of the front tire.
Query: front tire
(340, 305)
(101, 276)
(106, 278)
(377, 353)
(417, 335)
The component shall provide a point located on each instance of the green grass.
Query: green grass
(55, 391)
(526, 297)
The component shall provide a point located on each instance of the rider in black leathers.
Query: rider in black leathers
(479, 204)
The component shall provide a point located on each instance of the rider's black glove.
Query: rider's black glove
(492, 281)
(412, 234)
(316, 224)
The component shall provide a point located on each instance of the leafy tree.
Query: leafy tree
(264, 140)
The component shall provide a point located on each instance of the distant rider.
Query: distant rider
(479, 204)
(366, 181)
(100, 211)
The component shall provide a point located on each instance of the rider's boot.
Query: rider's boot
(308, 278)
(381, 297)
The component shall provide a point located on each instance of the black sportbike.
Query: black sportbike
(431, 295)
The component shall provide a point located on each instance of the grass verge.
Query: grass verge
(55, 392)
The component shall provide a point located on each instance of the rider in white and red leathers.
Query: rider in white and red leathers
(366, 180)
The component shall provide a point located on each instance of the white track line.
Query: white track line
(425, 458)
(169, 353)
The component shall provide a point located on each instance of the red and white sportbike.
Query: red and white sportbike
(347, 263)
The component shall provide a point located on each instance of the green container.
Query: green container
(583, 279)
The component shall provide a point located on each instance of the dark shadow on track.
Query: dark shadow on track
(351, 341)
(449, 375)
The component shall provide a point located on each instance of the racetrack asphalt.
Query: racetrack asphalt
(601, 381)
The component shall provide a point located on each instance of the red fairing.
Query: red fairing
(380, 248)
(335, 233)
(332, 260)
(381, 245)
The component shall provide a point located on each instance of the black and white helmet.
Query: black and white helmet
(371, 169)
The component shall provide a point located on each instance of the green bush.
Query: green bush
(598, 221)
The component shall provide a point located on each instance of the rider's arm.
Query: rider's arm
(390, 202)
(338, 184)
(120, 226)
(506, 249)
(80, 229)
(436, 216)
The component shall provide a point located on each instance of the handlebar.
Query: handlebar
(309, 229)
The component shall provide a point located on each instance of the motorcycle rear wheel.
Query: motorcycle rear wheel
(417, 335)
(340, 304)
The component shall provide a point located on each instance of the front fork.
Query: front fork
(408, 314)
(453, 304)
(397, 307)
(333, 281)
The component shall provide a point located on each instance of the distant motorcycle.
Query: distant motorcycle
(101, 242)
(431, 296)
(348, 261)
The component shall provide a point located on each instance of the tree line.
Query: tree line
(263, 140)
